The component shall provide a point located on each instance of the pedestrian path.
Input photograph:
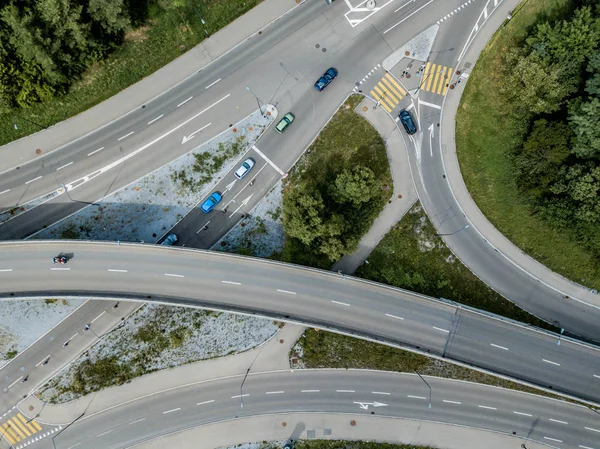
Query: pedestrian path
(436, 78)
(20, 431)
(388, 92)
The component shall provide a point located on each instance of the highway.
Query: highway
(363, 393)
(317, 298)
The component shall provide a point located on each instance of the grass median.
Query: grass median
(487, 133)
(171, 29)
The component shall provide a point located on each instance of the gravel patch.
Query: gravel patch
(154, 338)
(23, 321)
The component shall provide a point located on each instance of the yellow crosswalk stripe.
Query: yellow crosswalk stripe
(391, 88)
(389, 94)
(448, 78)
(37, 426)
(437, 76)
(29, 424)
(8, 434)
(22, 422)
(16, 426)
(390, 79)
(384, 98)
(379, 100)
(431, 75)
(444, 79)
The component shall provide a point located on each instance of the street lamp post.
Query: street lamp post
(242, 386)
(456, 232)
(260, 103)
(429, 406)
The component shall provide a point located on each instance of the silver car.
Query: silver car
(244, 168)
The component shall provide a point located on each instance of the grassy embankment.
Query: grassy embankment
(172, 28)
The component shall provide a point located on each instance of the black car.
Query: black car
(327, 78)
(407, 121)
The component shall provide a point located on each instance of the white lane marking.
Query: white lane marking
(137, 421)
(202, 228)
(212, 84)
(407, 17)
(43, 360)
(206, 402)
(522, 414)
(596, 375)
(73, 336)
(451, 402)
(585, 447)
(551, 362)
(415, 397)
(440, 329)
(64, 166)
(431, 105)
(240, 396)
(97, 317)
(340, 303)
(286, 291)
(274, 392)
(309, 391)
(174, 275)
(345, 391)
(269, 161)
(552, 439)
(380, 392)
(103, 433)
(499, 347)
(95, 151)
(117, 271)
(184, 101)
(558, 421)
(592, 429)
(15, 382)
(171, 411)
(5, 191)
(5, 270)
(60, 269)
(231, 282)
(32, 180)
(394, 316)
(155, 119)
(125, 136)
(75, 445)
(486, 407)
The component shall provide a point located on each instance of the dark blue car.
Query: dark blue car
(327, 78)
(407, 121)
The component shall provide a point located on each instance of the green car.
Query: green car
(284, 122)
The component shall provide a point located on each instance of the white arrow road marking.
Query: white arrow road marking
(241, 205)
(191, 136)
(230, 185)
(365, 405)
(269, 161)
(430, 138)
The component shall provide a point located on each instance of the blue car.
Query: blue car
(211, 202)
(327, 78)
(407, 122)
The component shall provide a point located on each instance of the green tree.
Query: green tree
(542, 155)
(355, 186)
(109, 14)
(303, 211)
(579, 190)
(584, 117)
(592, 85)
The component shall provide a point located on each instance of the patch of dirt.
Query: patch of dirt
(140, 34)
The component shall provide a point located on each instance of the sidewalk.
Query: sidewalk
(332, 426)
(24, 150)
(474, 215)
(272, 355)
(403, 197)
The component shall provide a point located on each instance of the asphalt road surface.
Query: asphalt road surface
(367, 393)
(318, 298)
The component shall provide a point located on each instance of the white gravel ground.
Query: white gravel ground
(159, 337)
(22, 322)
(261, 445)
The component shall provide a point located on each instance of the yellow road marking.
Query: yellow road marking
(11, 437)
(383, 96)
(430, 77)
(28, 424)
(17, 428)
(391, 79)
(391, 88)
(379, 99)
(389, 94)
(447, 71)
(22, 426)
(435, 81)
(449, 77)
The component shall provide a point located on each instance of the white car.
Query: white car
(244, 168)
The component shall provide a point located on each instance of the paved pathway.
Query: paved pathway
(330, 426)
(23, 150)
(474, 215)
(272, 355)
(403, 197)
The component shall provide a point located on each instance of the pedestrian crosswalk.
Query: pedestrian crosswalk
(18, 428)
(436, 78)
(388, 92)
